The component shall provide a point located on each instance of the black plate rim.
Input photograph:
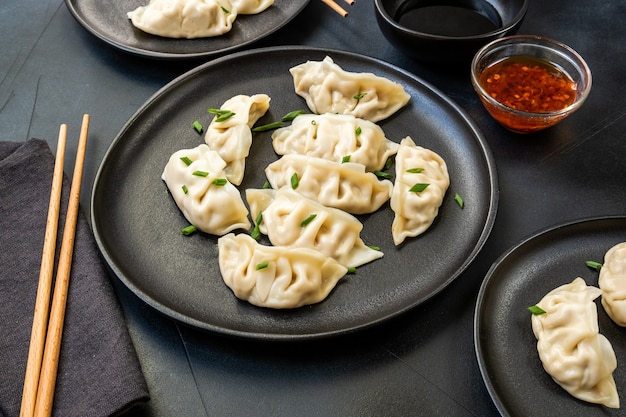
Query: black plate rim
(485, 232)
(501, 406)
(147, 53)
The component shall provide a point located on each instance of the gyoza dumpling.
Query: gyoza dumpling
(334, 137)
(344, 186)
(196, 180)
(612, 282)
(571, 349)
(420, 185)
(251, 6)
(292, 220)
(232, 137)
(327, 88)
(274, 276)
(184, 18)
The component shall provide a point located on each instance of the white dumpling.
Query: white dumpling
(334, 137)
(344, 186)
(251, 6)
(292, 220)
(416, 210)
(571, 349)
(232, 137)
(210, 202)
(612, 282)
(327, 88)
(184, 18)
(274, 276)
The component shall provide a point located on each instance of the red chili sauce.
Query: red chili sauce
(528, 84)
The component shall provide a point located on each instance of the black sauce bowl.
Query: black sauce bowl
(447, 31)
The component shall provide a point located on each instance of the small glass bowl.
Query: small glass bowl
(521, 47)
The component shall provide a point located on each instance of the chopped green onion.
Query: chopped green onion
(418, 188)
(388, 163)
(292, 115)
(295, 181)
(381, 174)
(308, 220)
(536, 310)
(594, 265)
(256, 231)
(415, 170)
(221, 115)
(220, 182)
(262, 265)
(374, 247)
(357, 132)
(186, 160)
(266, 185)
(269, 126)
(185, 189)
(200, 173)
(359, 96)
(189, 230)
(351, 270)
(225, 10)
(198, 126)
(459, 200)
(313, 122)
(345, 159)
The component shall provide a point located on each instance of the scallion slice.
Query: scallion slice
(220, 182)
(200, 173)
(381, 174)
(266, 185)
(198, 126)
(221, 115)
(185, 189)
(189, 230)
(269, 126)
(295, 181)
(359, 96)
(594, 265)
(308, 220)
(186, 160)
(292, 115)
(262, 265)
(345, 159)
(374, 247)
(256, 231)
(459, 200)
(357, 131)
(351, 270)
(536, 310)
(418, 188)
(415, 170)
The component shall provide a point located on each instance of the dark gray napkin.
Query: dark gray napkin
(99, 373)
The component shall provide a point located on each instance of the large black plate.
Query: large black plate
(107, 20)
(505, 344)
(137, 225)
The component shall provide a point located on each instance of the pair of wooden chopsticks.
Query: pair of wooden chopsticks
(337, 8)
(45, 342)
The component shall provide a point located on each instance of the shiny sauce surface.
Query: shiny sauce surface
(528, 84)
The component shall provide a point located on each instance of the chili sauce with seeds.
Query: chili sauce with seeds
(528, 84)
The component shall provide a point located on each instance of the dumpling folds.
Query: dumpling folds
(335, 136)
(274, 276)
(185, 18)
(292, 220)
(612, 282)
(212, 208)
(232, 137)
(416, 210)
(327, 88)
(344, 186)
(570, 347)
(251, 6)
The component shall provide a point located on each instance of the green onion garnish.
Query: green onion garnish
(381, 174)
(269, 126)
(388, 163)
(186, 160)
(359, 96)
(198, 126)
(345, 159)
(374, 247)
(594, 265)
(357, 132)
(415, 170)
(536, 310)
(200, 173)
(220, 182)
(313, 122)
(262, 265)
(221, 115)
(308, 220)
(189, 230)
(225, 10)
(292, 115)
(266, 185)
(185, 189)
(459, 200)
(418, 188)
(256, 232)
(295, 181)
(351, 270)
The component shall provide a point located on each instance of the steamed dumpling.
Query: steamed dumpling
(327, 88)
(335, 137)
(290, 219)
(416, 210)
(571, 349)
(274, 276)
(209, 202)
(612, 282)
(232, 137)
(185, 18)
(251, 6)
(344, 186)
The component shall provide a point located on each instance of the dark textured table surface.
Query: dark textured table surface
(423, 363)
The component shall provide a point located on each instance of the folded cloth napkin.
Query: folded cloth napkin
(99, 373)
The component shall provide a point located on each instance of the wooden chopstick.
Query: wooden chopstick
(50, 361)
(44, 287)
(337, 8)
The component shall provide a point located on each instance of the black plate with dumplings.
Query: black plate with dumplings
(137, 224)
(505, 345)
(107, 20)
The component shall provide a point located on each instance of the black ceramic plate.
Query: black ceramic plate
(505, 344)
(107, 20)
(137, 224)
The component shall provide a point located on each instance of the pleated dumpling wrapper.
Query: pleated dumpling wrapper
(612, 282)
(571, 349)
